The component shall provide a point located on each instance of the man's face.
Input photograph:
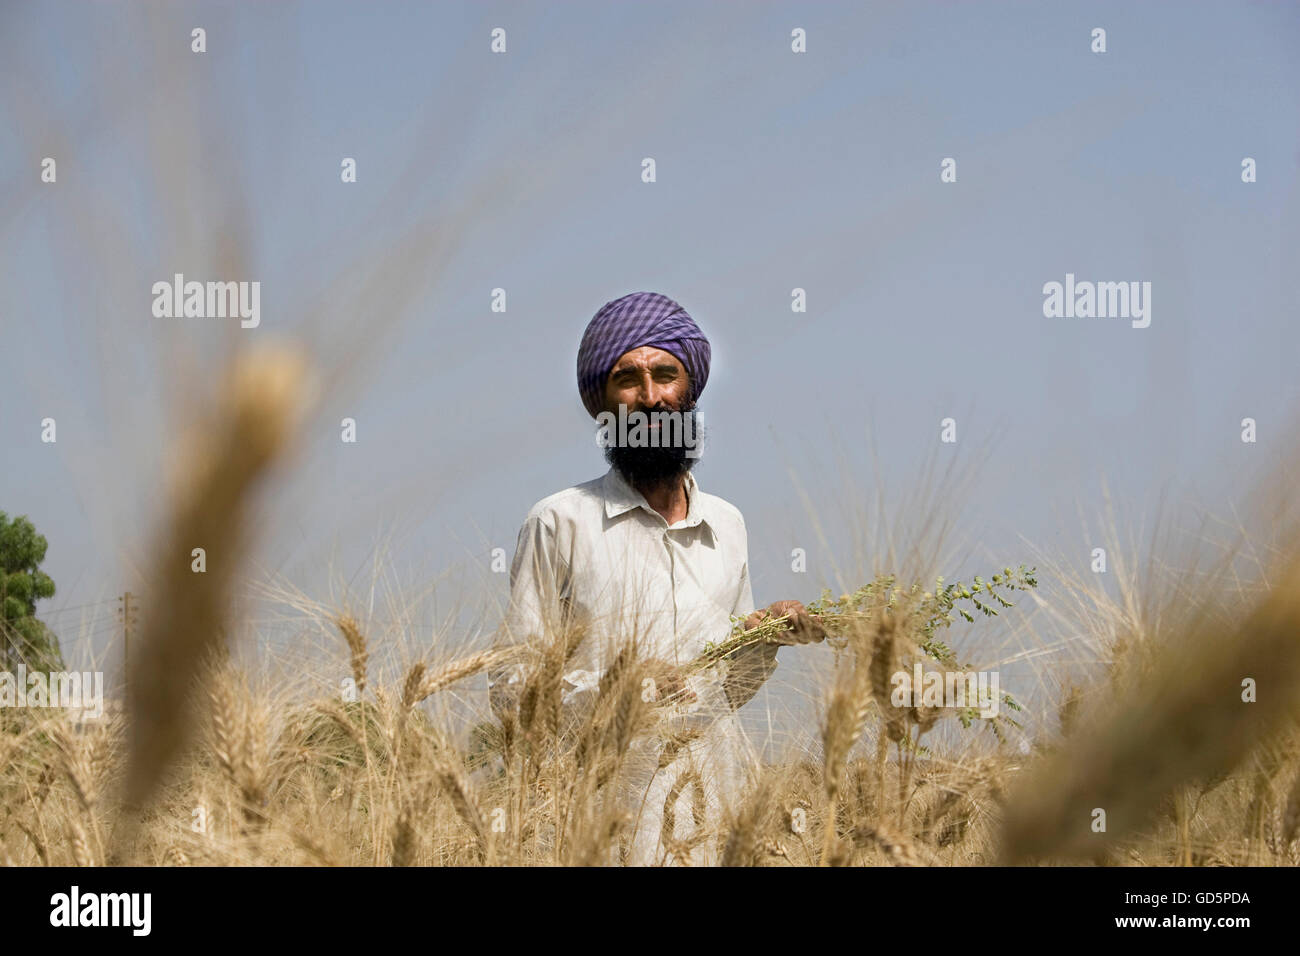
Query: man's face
(647, 379)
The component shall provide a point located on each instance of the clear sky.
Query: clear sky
(522, 171)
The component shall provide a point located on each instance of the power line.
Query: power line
(75, 607)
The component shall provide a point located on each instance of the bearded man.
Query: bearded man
(642, 555)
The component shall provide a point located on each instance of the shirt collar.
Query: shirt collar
(620, 497)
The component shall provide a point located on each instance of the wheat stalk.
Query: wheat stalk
(1187, 722)
(356, 642)
(250, 429)
(455, 671)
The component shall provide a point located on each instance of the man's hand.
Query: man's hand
(669, 682)
(804, 628)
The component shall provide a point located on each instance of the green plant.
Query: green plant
(930, 612)
(23, 638)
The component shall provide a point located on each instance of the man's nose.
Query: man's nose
(649, 394)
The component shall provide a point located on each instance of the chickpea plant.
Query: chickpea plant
(932, 610)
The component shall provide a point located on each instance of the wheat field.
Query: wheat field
(215, 763)
(1175, 710)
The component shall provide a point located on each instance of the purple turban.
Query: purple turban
(634, 321)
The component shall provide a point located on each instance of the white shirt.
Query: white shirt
(599, 556)
(598, 553)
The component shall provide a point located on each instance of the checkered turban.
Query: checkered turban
(636, 320)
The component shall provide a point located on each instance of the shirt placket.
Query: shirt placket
(672, 576)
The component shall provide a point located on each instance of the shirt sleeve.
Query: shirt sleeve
(745, 599)
(532, 568)
(538, 611)
(749, 667)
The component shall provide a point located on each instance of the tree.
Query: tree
(23, 638)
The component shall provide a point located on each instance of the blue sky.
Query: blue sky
(775, 170)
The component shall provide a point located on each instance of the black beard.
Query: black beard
(651, 467)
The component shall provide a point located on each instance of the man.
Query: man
(642, 554)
